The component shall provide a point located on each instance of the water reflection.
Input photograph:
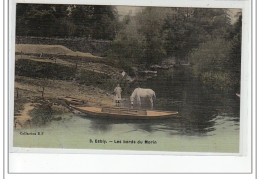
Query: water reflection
(197, 105)
(172, 126)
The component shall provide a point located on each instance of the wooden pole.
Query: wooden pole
(17, 93)
(43, 91)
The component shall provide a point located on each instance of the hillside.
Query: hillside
(45, 74)
(50, 49)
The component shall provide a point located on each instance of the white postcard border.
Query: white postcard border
(19, 154)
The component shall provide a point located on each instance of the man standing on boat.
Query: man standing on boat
(117, 92)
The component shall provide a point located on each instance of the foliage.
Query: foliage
(128, 46)
(150, 26)
(158, 33)
(47, 20)
(42, 114)
(235, 52)
(217, 62)
(139, 42)
(186, 28)
(29, 68)
(88, 77)
(210, 63)
(211, 55)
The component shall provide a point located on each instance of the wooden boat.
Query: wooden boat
(124, 113)
(117, 112)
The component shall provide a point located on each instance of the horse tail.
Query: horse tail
(154, 95)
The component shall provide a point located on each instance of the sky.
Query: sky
(132, 10)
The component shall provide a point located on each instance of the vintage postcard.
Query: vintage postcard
(132, 78)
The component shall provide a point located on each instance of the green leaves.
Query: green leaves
(217, 62)
(157, 33)
(47, 20)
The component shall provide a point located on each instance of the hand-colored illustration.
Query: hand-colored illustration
(127, 78)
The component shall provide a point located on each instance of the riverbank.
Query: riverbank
(45, 74)
(30, 98)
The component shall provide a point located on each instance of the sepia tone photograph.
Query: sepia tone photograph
(127, 78)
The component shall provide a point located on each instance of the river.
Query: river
(208, 121)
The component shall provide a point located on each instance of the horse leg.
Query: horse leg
(139, 100)
(151, 100)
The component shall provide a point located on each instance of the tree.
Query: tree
(150, 26)
(209, 63)
(81, 17)
(169, 32)
(217, 62)
(47, 20)
(105, 22)
(235, 52)
(140, 39)
(186, 28)
(97, 22)
(40, 20)
(128, 48)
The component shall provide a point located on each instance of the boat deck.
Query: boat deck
(124, 112)
(118, 112)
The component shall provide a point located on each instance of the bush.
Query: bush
(101, 80)
(29, 68)
(218, 80)
(210, 62)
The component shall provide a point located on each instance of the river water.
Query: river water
(208, 121)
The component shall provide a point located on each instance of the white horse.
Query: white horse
(139, 93)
